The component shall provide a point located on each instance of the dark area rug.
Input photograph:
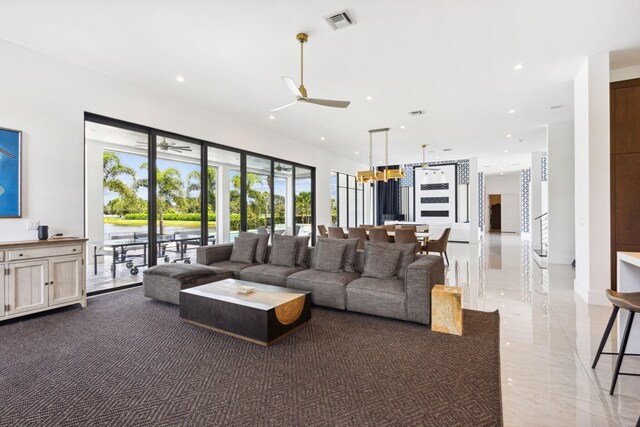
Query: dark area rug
(127, 360)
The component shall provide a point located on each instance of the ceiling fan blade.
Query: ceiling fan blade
(291, 85)
(285, 106)
(182, 147)
(328, 102)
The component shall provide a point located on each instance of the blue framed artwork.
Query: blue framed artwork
(10, 182)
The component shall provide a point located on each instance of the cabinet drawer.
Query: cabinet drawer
(1, 256)
(29, 253)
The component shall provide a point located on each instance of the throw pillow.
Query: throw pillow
(243, 250)
(284, 250)
(408, 254)
(351, 247)
(303, 245)
(261, 247)
(381, 263)
(330, 255)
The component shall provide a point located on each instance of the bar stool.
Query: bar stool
(626, 301)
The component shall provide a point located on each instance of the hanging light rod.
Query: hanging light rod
(386, 174)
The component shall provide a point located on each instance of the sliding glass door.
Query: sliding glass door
(154, 197)
(178, 199)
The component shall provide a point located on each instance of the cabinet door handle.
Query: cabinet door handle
(46, 283)
(51, 283)
(74, 249)
(19, 254)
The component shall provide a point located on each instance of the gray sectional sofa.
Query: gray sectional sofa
(407, 297)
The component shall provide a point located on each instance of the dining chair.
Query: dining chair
(336, 233)
(322, 230)
(439, 245)
(360, 233)
(407, 235)
(409, 227)
(378, 234)
(390, 227)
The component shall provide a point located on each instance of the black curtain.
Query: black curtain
(388, 199)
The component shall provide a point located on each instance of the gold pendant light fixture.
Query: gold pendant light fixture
(386, 174)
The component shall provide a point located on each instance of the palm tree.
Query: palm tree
(170, 191)
(114, 170)
(303, 206)
(194, 179)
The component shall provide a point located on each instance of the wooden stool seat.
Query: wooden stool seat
(627, 301)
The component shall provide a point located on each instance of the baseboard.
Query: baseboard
(590, 297)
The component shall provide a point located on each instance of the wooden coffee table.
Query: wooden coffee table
(262, 317)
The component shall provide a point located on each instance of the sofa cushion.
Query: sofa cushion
(408, 254)
(327, 289)
(380, 297)
(381, 262)
(330, 255)
(244, 250)
(268, 274)
(184, 273)
(260, 255)
(301, 251)
(232, 266)
(283, 250)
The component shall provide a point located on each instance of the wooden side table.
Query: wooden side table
(446, 309)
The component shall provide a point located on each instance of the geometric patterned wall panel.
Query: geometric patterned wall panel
(525, 185)
(543, 167)
(462, 178)
(481, 201)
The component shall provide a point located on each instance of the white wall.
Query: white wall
(626, 73)
(592, 180)
(561, 193)
(46, 99)
(507, 185)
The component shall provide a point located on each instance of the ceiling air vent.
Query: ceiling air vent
(416, 113)
(339, 20)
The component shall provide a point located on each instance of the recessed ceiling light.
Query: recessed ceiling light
(518, 67)
(379, 163)
(508, 135)
(356, 152)
(501, 173)
(503, 160)
(180, 79)
(272, 117)
(506, 151)
(401, 126)
(369, 98)
(437, 157)
(322, 138)
(512, 111)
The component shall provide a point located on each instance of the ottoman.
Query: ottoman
(164, 282)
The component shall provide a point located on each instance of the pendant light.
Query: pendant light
(386, 174)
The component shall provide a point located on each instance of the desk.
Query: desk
(629, 281)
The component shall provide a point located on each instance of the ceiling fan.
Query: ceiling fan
(165, 145)
(301, 92)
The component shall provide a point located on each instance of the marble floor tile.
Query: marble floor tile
(549, 337)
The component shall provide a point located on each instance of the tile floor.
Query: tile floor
(549, 337)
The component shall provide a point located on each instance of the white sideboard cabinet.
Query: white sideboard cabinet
(41, 275)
